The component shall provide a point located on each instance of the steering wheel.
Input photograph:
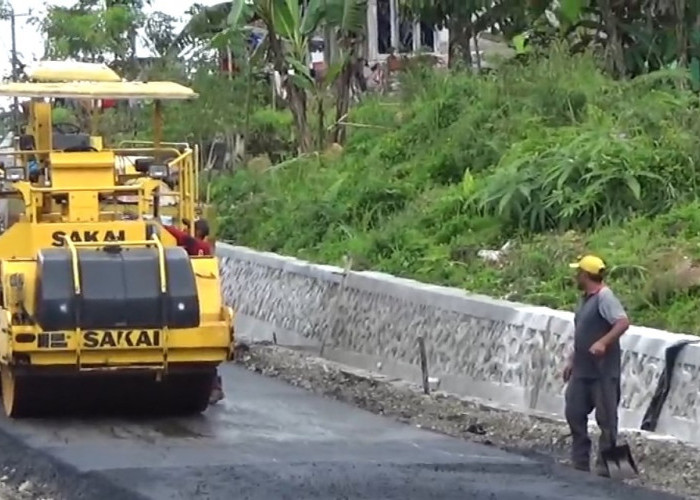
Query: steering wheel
(66, 128)
(79, 149)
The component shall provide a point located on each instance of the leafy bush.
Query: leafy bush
(550, 155)
(579, 178)
(271, 134)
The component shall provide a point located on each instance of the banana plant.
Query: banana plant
(290, 27)
(638, 36)
(345, 20)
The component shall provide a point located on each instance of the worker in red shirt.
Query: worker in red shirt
(194, 245)
(198, 245)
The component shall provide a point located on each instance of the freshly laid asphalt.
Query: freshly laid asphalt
(269, 440)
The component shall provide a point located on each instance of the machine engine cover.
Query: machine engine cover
(119, 289)
(61, 142)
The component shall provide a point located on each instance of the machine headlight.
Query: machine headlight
(14, 174)
(158, 171)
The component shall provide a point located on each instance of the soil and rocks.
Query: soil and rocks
(21, 491)
(26, 473)
(665, 465)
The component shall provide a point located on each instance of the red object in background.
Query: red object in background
(224, 64)
(319, 69)
(109, 103)
(192, 245)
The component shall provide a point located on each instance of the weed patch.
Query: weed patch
(551, 156)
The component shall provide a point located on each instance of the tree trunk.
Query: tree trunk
(321, 113)
(453, 43)
(248, 105)
(681, 33)
(296, 98)
(616, 55)
(476, 50)
(460, 40)
(343, 100)
(466, 44)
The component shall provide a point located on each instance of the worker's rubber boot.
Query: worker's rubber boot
(601, 469)
(217, 391)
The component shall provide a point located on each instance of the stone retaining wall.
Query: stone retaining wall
(477, 346)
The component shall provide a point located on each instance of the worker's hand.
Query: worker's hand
(568, 369)
(598, 349)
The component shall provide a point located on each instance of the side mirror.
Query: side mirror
(14, 174)
(158, 171)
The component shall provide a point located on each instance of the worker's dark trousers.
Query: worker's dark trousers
(583, 395)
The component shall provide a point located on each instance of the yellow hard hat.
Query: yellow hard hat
(590, 264)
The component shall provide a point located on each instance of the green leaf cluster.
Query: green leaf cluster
(551, 155)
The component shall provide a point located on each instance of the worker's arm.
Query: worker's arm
(182, 237)
(611, 309)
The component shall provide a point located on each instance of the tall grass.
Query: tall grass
(551, 154)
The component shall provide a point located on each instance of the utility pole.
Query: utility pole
(10, 12)
(15, 104)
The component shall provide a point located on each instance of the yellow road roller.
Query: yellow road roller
(100, 310)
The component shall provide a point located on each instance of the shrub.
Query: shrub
(549, 154)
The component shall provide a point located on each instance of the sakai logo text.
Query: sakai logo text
(59, 237)
(93, 339)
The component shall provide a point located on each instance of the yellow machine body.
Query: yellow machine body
(66, 222)
(71, 71)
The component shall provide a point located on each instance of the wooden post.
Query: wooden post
(424, 365)
(334, 323)
(157, 127)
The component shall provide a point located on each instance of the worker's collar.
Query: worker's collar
(594, 290)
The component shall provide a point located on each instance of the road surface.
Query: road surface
(272, 441)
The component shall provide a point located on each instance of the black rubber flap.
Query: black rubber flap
(183, 303)
(62, 142)
(55, 293)
(120, 289)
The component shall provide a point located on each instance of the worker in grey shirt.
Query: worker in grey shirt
(599, 322)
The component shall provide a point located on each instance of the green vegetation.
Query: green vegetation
(589, 146)
(551, 154)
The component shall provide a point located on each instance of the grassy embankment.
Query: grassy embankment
(552, 155)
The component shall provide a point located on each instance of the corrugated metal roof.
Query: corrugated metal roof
(71, 71)
(99, 90)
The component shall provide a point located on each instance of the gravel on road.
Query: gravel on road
(665, 465)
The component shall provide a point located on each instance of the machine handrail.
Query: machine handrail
(19, 152)
(181, 157)
(154, 241)
(187, 184)
(119, 151)
(125, 151)
(101, 189)
(74, 265)
(132, 141)
(75, 268)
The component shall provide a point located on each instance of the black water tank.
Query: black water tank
(120, 288)
(55, 292)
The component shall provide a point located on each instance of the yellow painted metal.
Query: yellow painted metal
(40, 125)
(76, 203)
(23, 239)
(67, 71)
(9, 387)
(157, 126)
(96, 142)
(209, 343)
(99, 90)
(186, 164)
